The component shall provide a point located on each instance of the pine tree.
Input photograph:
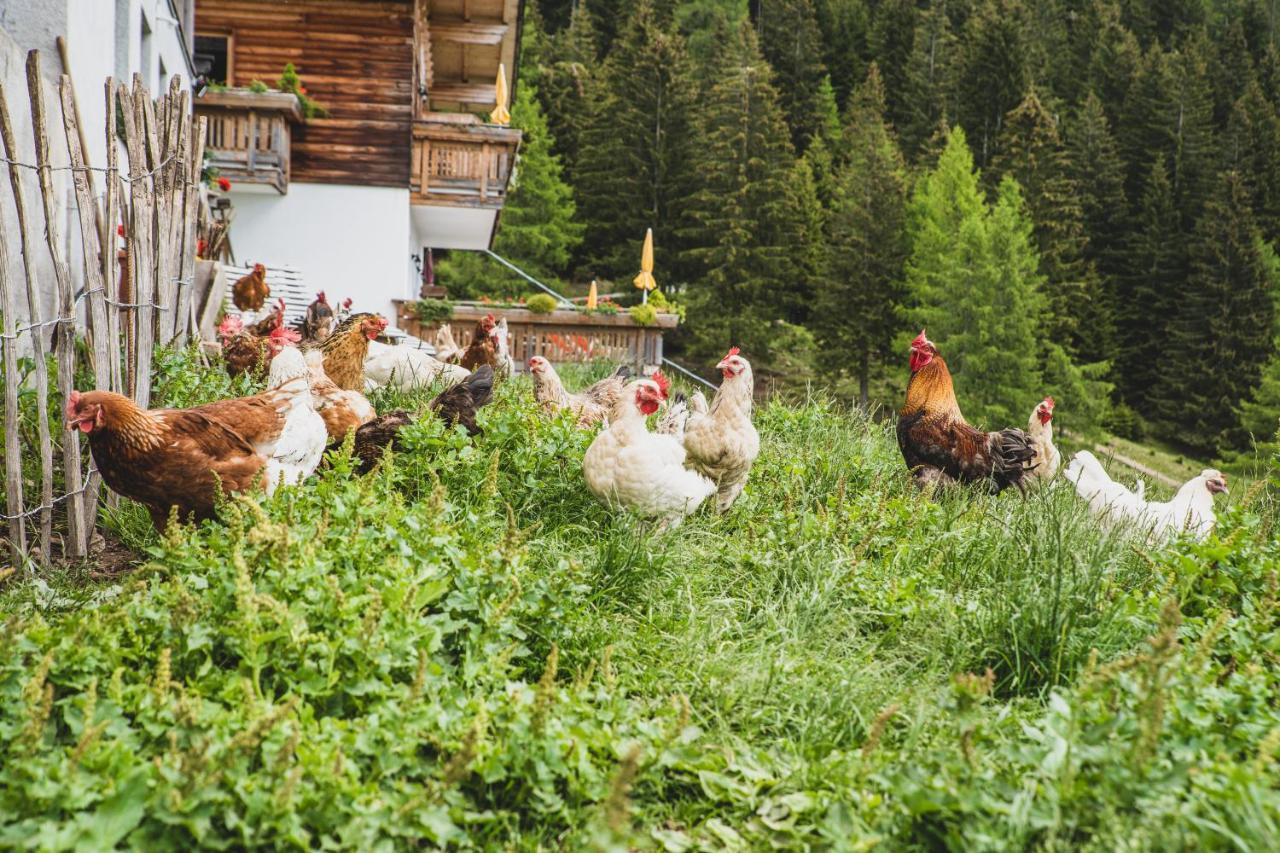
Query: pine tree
(1093, 162)
(1252, 147)
(742, 212)
(1115, 58)
(539, 232)
(1232, 71)
(633, 169)
(930, 76)
(846, 28)
(1031, 151)
(566, 81)
(892, 35)
(973, 281)
(792, 44)
(1145, 297)
(1223, 331)
(1260, 414)
(993, 72)
(857, 311)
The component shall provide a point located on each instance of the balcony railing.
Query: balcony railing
(460, 162)
(249, 135)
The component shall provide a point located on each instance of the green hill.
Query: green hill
(466, 649)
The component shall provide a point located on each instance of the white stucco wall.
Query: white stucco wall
(345, 240)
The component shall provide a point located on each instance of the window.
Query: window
(212, 57)
(144, 51)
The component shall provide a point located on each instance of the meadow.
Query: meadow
(465, 649)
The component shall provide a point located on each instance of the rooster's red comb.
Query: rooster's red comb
(1048, 401)
(663, 383)
(320, 297)
(732, 352)
(920, 340)
(283, 334)
(346, 303)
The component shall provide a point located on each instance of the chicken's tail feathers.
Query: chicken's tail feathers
(1139, 488)
(675, 419)
(698, 403)
(478, 384)
(623, 372)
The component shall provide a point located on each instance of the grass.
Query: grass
(465, 649)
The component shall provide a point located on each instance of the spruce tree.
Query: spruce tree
(1147, 292)
(633, 169)
(846, 29)
(973, 282)
(1115, 57)
(1260, 414)
(792, 44)
(891, 38)
(1093, 162)
(930, 79)
(1252, 147)
(568, 82)
(857, 311)
(539, 232)
(993, 72)
(1032, 152)
(1223, 331)
(742, 213)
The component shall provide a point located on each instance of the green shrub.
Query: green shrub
(541, 303)
(643, 315)
(433, 311)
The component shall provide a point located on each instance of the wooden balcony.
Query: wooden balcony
(249, 134)
(459, 162)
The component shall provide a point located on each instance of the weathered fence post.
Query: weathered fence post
(65, 331)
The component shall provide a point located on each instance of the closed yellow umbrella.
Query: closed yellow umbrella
(591, 296)
(500, 114)
(644, 281)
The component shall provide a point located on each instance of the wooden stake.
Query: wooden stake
(109, 241)
(76, 535)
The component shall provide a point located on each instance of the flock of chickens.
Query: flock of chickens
(176, 461)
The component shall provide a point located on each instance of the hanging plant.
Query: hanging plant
(292, 83)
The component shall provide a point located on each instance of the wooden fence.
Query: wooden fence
(138, 242)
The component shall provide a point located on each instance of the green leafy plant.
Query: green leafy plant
(643, 315)
(292, 83)
(541, 303)
(258, 87)
(433, 311)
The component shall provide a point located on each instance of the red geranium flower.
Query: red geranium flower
(201, 246)
(120, 230)
(302, 90)
(224, 185)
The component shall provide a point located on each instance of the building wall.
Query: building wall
(345, 240)
(355, 58)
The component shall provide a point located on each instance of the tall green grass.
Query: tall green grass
(466, 649)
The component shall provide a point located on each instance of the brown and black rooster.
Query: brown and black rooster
(940, 446)
(456, 405)
(345, 349)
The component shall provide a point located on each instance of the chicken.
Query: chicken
(590, 406)
(167, 458)
(345, 349)
(317, 323)
(268, 324)
(503, 364)
(302, 443)
(629, 467)
(407, 368)
(1040, 428)
(1190, 511)
(342, 411)
(244, 351)
(250, 292)
(447, 349)
(483, 348)
(940, 447)
(456, 405)
(720, 439)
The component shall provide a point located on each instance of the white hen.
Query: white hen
(301, 444)
(1190, 511)
(407, 368)
(630, 467)
(1047, 459)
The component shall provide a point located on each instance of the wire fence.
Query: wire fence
(137, 242)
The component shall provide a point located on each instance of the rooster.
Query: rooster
(345, 350)
(940, 447)
(245, 351)
(317, 323)
(1040, 428)
(1190, 511)
(630, 467)
(720, 439)
(250, 292)
(181, 458)
(483, 348)
(407, 368)
(456, 405)
(590, 406)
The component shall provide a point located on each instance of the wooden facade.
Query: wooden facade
(356, 59)
(249, 135)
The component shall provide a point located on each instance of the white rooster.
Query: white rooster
(301, 444)
(1190, 511)
(628, 466)
(407, 368)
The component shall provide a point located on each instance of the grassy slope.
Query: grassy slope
(467, 648)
